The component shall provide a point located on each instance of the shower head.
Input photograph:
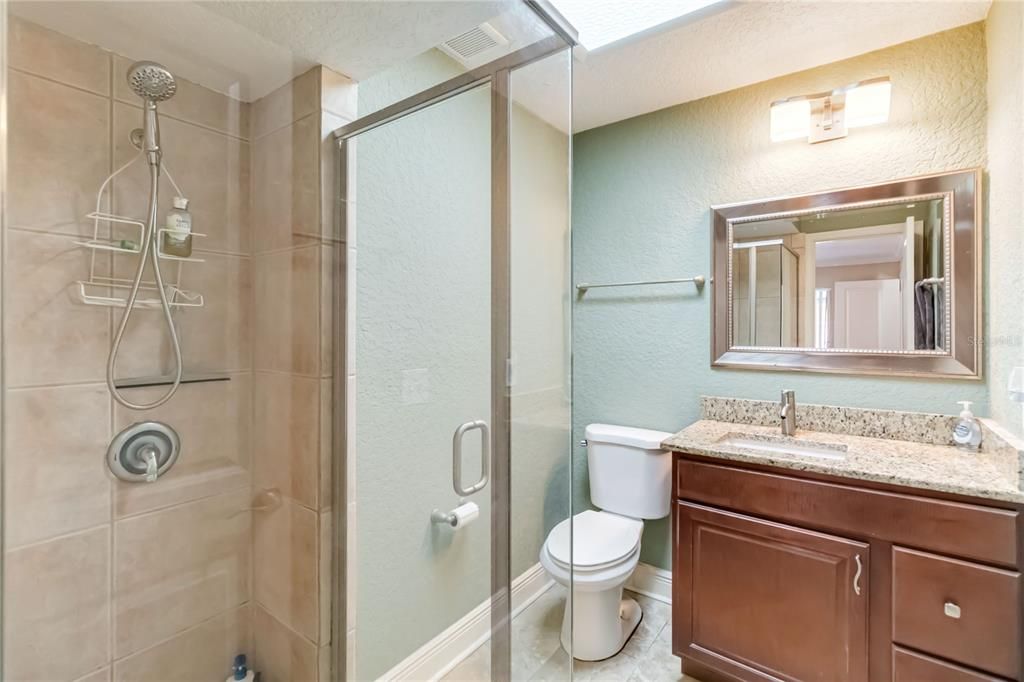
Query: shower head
(151, 81)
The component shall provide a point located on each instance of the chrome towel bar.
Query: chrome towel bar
(698, 281)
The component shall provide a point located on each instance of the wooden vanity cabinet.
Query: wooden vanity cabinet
(758, 586)
(778, 575)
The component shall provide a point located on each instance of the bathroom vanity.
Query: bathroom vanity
(876, 553)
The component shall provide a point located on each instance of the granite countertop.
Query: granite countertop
(992, 473)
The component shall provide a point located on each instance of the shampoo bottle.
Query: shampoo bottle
(177, 239)
(967, 432)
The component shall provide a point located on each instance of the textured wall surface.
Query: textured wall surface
(1005, 337)
(423, 367)
(641, 197)
(422, 355)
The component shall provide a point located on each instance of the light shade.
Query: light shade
(828, 115)
(791, 120)
(868, 104)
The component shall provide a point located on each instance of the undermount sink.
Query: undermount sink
(784, 446)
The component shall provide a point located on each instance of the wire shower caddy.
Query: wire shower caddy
(111, 291)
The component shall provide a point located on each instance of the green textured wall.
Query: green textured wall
(1005, 337)
(641, 197)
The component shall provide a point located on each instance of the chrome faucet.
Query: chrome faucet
(787, 412)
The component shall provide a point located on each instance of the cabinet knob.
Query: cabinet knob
(951, 609)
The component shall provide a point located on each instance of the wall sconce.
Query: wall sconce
(829, 115)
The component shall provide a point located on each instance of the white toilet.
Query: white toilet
(630, 480)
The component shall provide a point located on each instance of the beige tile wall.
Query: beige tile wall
(167, 581)
(106, 580)
(293, 195)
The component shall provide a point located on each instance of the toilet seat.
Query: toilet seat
(600, 540)
(606, 551)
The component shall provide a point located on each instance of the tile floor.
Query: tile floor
(537, 654)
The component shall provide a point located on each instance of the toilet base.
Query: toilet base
(604, 623)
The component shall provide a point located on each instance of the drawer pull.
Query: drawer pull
(951, 609)
(856, 578)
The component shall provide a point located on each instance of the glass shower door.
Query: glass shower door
(420, 373)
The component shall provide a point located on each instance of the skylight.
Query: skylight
(602, 22)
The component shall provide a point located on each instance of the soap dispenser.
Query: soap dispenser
(967, 432)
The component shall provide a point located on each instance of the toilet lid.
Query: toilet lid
(598, 538)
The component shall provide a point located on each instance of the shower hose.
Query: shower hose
(148, 248)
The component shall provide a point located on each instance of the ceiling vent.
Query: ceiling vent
(474, 45)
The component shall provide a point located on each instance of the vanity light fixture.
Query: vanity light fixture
(827, 116)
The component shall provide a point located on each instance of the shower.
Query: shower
(153, 83)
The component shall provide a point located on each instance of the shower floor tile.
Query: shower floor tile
(538, 655)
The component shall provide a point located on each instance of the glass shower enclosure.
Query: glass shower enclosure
(452, 423)
(765, 294)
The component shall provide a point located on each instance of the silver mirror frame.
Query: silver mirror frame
(961, 192)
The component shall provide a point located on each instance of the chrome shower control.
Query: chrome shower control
(143, 452)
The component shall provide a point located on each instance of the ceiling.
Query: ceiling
(861, 251)
(734, 44)
(247, 49)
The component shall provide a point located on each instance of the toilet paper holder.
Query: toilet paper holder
(439, 517)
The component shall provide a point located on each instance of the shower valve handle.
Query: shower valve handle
(152, 466)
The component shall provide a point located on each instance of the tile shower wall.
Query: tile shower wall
(106, 580)
(642, 192)
(293, 249)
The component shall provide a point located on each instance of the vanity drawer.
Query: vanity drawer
(910, 666)
(967, 530)
(958, 610)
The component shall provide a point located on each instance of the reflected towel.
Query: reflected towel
(924, 317)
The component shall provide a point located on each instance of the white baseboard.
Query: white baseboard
(440, 655)
(652, 582)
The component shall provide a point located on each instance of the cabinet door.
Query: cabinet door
(759, 600)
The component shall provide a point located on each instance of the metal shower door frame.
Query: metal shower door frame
(498, 75)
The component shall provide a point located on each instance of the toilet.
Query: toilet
(630, 480)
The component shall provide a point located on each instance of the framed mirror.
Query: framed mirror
(878, 279)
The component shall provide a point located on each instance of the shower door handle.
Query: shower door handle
(485, 457)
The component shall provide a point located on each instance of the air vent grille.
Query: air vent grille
(474, 43)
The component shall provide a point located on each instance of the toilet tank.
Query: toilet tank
(630, 474)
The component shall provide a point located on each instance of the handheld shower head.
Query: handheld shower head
(151, 81)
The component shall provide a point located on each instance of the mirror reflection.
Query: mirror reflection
(857, 278)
